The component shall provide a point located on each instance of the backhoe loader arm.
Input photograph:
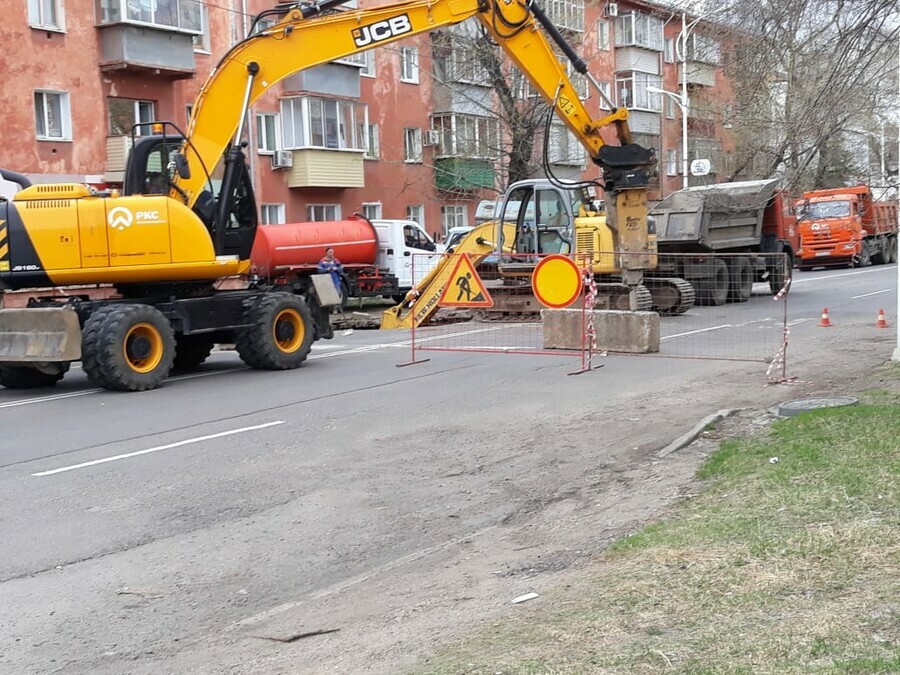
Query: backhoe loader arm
(302, 40)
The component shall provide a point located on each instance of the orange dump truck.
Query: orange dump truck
(846, 226)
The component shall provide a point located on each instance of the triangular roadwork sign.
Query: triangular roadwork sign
(464, 287)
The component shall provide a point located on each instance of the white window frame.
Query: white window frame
(454, 215)
(37, 15)
(136, 117)
(412, 145)
(416, 213)
(368, 70)
(201, 40)
(669, 104)
(373, 147)
(639, 29)
(462, 135)
(564, 148)
(606, 88)
(188, 111)
(118, 12)
(603, 36)
(636, 83)
(409, 65)
(669, 50)
(349, 131)
(65, 114)
(566, 14)
(372, 210)
(671, 162)
(262, 138)
(267, 211)
(322, 212)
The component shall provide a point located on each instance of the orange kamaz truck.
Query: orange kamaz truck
(846, 226)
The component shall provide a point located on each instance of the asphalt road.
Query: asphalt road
(138, 529)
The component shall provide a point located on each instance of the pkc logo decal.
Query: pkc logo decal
(120, 218)
(381, 30)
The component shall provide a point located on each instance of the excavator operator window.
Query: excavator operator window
(156, 176)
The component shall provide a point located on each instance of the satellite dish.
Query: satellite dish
(700, 167)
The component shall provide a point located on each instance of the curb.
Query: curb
(688, 438)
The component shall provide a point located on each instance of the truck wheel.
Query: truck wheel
(713, 290)
(128, 347)
(190, 352)
(740, 279)
(891, 250)
(280, 334)
(31, 377)
(879, 254)
(780, 273)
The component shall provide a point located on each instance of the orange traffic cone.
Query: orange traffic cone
(881, 321)
(825, 322)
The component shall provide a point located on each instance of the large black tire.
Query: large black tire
(879, 255)
(891, 252)
(780, 272)
(190, 352)
(713, 290)
(280, 334)
(128, 347)
(740, 279)
(30, 377)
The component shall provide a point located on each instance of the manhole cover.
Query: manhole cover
(791, 408)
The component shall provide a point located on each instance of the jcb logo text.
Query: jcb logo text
(381, 30)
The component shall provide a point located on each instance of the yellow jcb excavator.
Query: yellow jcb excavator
(164, 248)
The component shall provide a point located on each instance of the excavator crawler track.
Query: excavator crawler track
(672, 296)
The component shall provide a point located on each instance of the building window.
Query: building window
(201, 39)
(416, 213)
(637, 29)
(357, 59)
(321, 212)
(312, 122)
(703, 49)
(372, 210)
(567, 14)
(188, 111)
(631, 91)
(454, 215)
(564, 147)
(266, 133)
(670, 107)
(409, 65)
(45, 14)
(271, 214)
(372, 148)
(368, 70)
(126, 114)
(467, 136)
(606, 88)
(181, 15)
(412, 145)
(603, 35)
(670, 50)
(671, 162)
(53, 120)
(457, 58)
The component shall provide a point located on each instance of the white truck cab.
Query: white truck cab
(402, 244)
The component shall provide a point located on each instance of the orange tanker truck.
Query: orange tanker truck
(846, 226)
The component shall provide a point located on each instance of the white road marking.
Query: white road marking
(801, 280)
(722, 327)
(168, 446)
(866, 295)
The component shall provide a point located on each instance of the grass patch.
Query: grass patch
(791, 567)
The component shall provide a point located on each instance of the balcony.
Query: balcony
(698, 73)
(326, 168)
(146, 49)
(459, 174)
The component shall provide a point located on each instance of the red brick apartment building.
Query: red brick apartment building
(375, 133)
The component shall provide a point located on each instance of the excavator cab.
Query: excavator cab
(543, 219)
(154, 163)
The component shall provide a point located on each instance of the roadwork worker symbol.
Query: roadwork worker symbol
(464, 287)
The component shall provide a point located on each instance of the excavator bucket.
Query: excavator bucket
(39, 335)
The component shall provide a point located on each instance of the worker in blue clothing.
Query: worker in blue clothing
(331, 265)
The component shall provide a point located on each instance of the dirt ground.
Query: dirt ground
(603, 482)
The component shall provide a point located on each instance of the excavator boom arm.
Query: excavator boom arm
(262, 60)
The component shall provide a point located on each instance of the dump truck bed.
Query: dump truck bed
(716, 217)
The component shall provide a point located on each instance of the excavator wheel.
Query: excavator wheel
(671, 296)
(713, 290)
(280, 334)
(740, 279)
(190, 352)
(127, 347)
(32, 377)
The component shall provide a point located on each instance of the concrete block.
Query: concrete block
(617, 331)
